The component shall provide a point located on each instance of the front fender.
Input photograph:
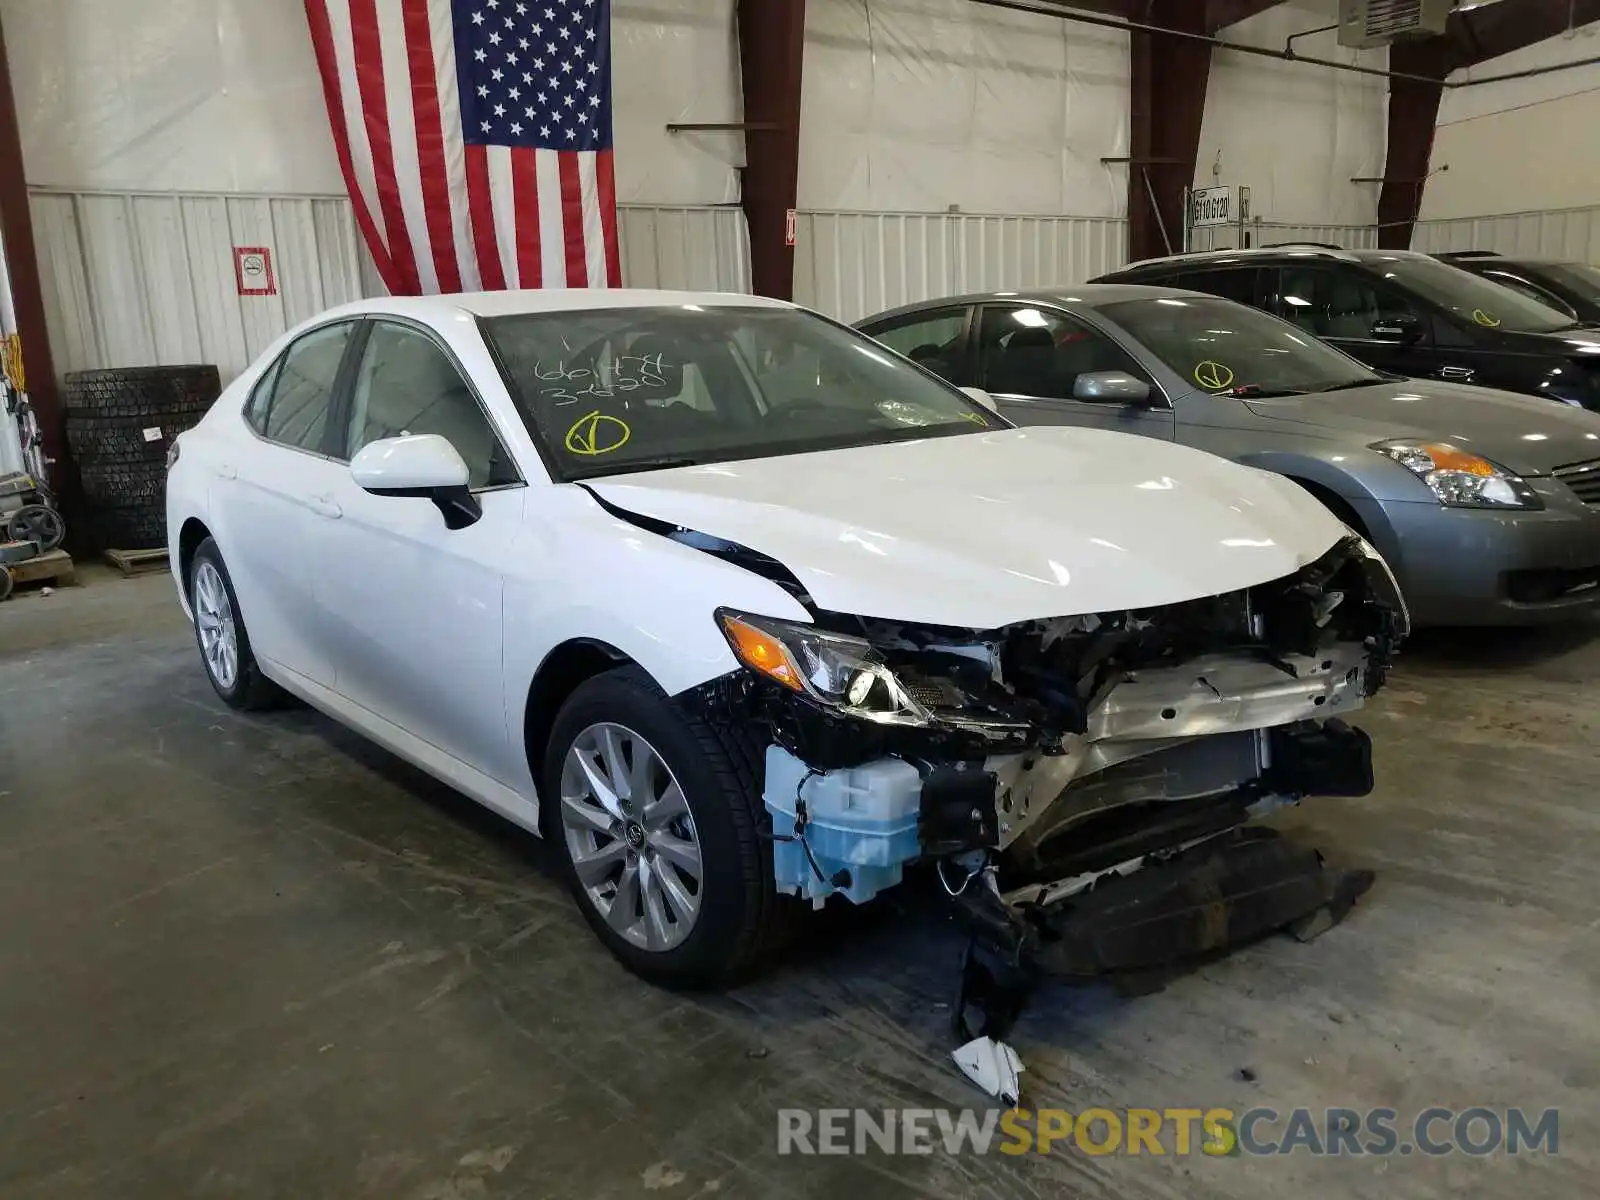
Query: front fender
(582, 573)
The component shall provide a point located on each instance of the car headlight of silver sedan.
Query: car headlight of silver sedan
(843, 673)
(1460, 479)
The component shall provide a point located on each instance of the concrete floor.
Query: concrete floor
(253, 957)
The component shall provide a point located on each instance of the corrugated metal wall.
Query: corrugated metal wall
(1265, 233)
(852, 264)
(1564, 233)
(137, 278)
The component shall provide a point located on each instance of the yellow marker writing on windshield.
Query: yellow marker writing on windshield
(597, 433)
(1212, 376)
(1487, 319)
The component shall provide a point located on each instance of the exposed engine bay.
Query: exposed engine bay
(1064, 746)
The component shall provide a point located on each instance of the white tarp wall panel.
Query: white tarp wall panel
(224, 96)
(1295, 133)
(1521, 145)
(133, 279)
(918, 105)
(853, 264)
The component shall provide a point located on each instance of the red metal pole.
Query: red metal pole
(16, 226)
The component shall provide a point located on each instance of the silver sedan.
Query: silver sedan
(1486, 504)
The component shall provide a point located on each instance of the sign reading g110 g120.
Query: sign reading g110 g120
(1210, 206)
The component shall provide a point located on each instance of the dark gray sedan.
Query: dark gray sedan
(1486, 504)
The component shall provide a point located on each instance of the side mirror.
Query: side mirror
(982, 397)
(1116, 387)
(423, 465)
(1400, 329)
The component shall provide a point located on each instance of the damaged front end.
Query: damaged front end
(1037, 762)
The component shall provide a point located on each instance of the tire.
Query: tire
(134, 527)
(142, 390)
(741, 918)
(125, 485)
(247, 689)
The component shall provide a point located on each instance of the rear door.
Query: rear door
(1029, 358)
(266, 492)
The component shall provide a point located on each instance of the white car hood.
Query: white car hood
(985, 530)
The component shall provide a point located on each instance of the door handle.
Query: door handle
(1460, 374)
(324, 506)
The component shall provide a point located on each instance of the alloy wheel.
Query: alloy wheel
(213, 615)
(631, 837)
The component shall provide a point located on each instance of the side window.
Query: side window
(255, 412)
(1039, 352)
(1238, 284)
(303, 391)
(407, 384)
(932, 339)
(1339, 303)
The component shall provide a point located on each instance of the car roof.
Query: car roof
(1492, 258)
(1088, 295)
(515, 303)
(1296, 250)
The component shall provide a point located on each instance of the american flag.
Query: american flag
(475, 138)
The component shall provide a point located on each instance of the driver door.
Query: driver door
(416, 607)
(1355, 312)
(1029, 360)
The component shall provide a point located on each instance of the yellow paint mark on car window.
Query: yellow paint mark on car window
(1487, 319)
(597, 433)
(1213, 376)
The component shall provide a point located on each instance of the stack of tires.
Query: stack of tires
(120, 423)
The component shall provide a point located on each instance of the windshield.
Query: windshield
(1578, 278)
(1471, 297)
(634, 389)
(1227, 348)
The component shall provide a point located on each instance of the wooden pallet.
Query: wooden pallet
(54, 568)
(137, 562)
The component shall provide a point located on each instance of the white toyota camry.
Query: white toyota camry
(744, 610)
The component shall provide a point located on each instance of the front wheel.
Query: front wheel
(658, 817)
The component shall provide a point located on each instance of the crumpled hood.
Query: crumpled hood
(983, 530)
(1522, 433)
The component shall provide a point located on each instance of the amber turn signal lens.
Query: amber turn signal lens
(1449, 458)
(762, 652)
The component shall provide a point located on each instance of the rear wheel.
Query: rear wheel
(221, 634)
(658, 818)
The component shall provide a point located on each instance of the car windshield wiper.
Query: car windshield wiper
(1351, 384)
(661, 463)
(1256, 391)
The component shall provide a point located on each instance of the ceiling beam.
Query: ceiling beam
(1479, 34)
(1222, 13)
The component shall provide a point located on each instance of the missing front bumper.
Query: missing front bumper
(1145, 920)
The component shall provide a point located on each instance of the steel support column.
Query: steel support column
(1471, 36)
(771, 54)
(1167, 101)
(16, 225)
(1413, 117)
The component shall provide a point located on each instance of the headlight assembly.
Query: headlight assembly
(843, 673)
(1460, 479)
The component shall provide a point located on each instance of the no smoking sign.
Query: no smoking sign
(252, 267)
